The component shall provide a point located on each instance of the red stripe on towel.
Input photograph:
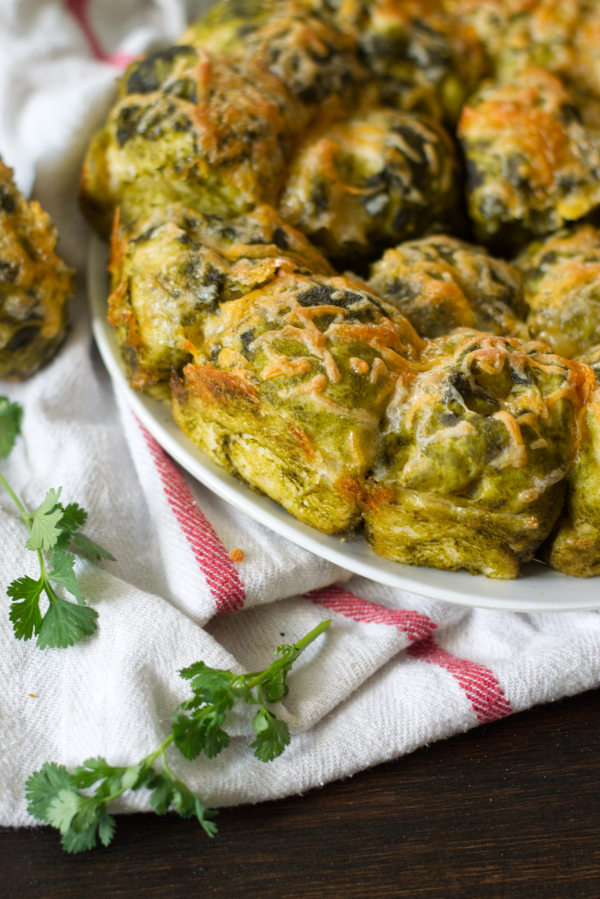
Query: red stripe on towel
(212, 557)
(481, 687)
(121, 60)
(413, 624)
(79, 9)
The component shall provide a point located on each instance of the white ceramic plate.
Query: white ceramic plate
(539, 589)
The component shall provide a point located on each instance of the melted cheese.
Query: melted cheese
(540, 485)
(284, 366)
(445, 435)
(515, 454)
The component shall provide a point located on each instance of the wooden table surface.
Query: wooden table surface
(511, 809)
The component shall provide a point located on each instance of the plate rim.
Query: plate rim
(455, 586)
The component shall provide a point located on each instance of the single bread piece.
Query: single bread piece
(289, 389)
(316, 61)
(561, 36)
(424, 59)
(561, 280)
(362, 185)
(188, 127)
(34, 284)
(441, 283)
(171, 270)
(532, 166)
(476, 450)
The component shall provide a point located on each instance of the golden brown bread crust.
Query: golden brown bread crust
(316, 61)
(422, 59)
(561, 36)
(34, 284)
(195, 131)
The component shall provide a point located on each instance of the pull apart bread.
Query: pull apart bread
(34, 284)
(285, 141)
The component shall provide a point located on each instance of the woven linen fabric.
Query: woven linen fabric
(394, 671)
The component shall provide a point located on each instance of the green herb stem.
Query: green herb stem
(312, 635)
(257, 677)
(17, 502)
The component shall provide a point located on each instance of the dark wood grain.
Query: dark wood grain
(511, 809)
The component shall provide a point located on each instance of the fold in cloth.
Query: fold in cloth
(395, 670)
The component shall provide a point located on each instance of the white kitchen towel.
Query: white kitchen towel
(394, 671)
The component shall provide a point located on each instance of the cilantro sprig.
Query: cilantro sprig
(56, 796)
(54, 529)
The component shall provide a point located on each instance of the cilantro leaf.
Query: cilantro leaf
(11, 416)
(51, 527)
(106, 827)
(183, 800)
(162, 793)
(63, 542)
(44, 532)
(80, 840)
(275, 687)
(201, 733)
(44, 786)
(131, 776)
(91, 548)
(73, 517)
(272, 736)
(204, 815)
(187, 804)
(207, 681)
(94, 770)
(65, 624)
(25, 615)
(62, 573)
(63, 807)
(168, 791)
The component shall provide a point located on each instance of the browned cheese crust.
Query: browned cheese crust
(422, 59)
(169, 275)
(366, 183)
(441, 283)
(476, 451)
(316, 61)
(532, 166)
(289, 387)
(561, 279)
(190, 128)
